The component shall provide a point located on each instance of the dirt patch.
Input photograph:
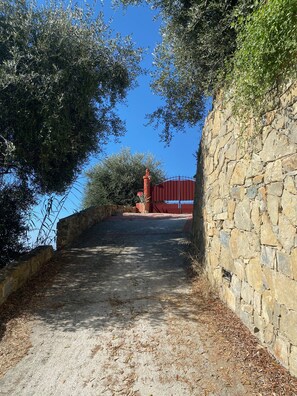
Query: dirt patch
(16, 316)
(229, 339)
(15, 342)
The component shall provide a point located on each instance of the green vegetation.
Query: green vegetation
(61, 77)
(245, 46)
(118, 178)
(198, 40)
(265, 58)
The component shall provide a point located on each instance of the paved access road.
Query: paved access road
(119, 319)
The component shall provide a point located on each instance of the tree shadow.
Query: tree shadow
(198, 226)
(119, 273)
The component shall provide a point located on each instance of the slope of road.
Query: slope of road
(120, 318)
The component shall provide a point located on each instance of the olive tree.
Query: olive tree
(198, 42)
(62, 73)
(118, 178)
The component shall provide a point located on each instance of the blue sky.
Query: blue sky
(177, 159)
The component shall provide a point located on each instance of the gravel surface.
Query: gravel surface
(118, 314)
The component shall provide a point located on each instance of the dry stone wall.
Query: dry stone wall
(245, 221)
(71, 227)
(17, 273)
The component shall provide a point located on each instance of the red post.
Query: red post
(147, 190)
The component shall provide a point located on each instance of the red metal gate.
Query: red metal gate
(175, 195)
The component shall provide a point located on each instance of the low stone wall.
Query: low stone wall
(245, 221)
(17, 273)
(71, 227)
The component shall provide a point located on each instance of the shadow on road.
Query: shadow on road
(119, 272)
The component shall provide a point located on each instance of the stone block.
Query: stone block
(255, 166)
(216, 123)
(242, 215)
(236, 286)
(289, 164)
(286, 233)
(231, 209)
(244, 244)
(255, 215)
(258, 302)
(273, 172)
(225, 238)
(226, 259)
(258, 179)
(276, 146)
(289, 185)
(231, 152)
(218, 206)
(221, 216)
(273, 205)
(224, 187)
(262, 196)
(281, 349)
(239, 269)
(276, 315)
(288, 326)
(247, 293)
(230, 169)
(268, 237)
(252, 192)
(239, 174)
(285, 291)
(268, 278)
(293, 264)
(279, 122)
(275, 189)
(293, 360)
(238, 192)
(248, 183)
(228, 225)
(247, 308)
(216, 246)
(284, 263)
(268, 334)
(289, 206)
(258, 327)
(254, 274)
(267, 306)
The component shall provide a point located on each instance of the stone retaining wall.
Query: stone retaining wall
(71, 227)
(245, 221)
(15, 274)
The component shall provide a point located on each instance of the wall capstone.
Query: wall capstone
(17, 273)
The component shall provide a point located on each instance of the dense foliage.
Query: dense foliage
(118, 178)
(61, 77)
(14, 202)
(198, 39)
(265, 57)
(248, 47)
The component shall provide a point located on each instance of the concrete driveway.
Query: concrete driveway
(120, 319)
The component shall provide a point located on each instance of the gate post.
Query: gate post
(147, 191)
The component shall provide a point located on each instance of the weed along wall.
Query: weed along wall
(245, 221)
